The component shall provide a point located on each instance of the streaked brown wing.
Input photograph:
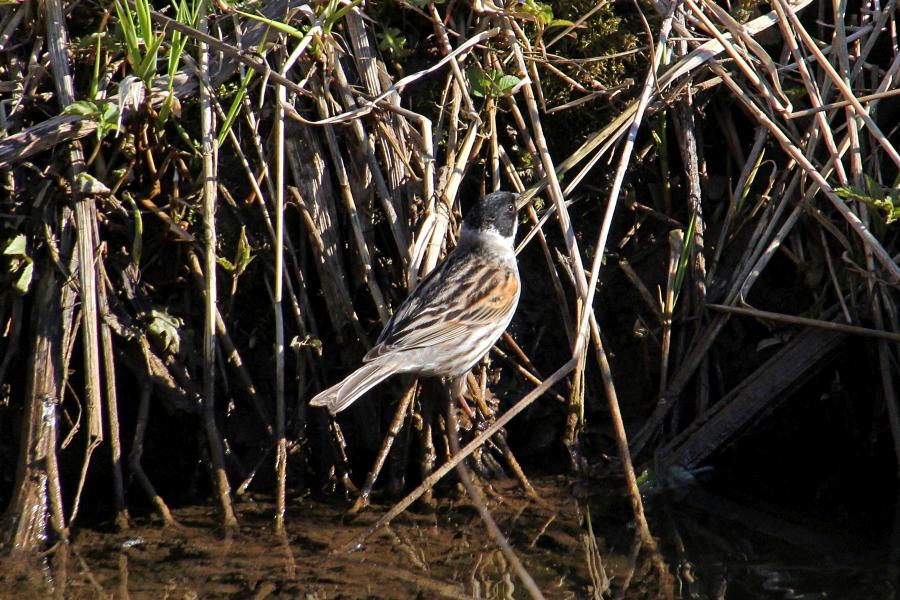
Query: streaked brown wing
(459, 296)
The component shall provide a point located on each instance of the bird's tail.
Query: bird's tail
(343, 394)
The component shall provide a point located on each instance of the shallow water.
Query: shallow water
(439, 553)
(747, 548)
(715, 547)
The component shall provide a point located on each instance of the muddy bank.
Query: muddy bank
(716, 547)
(428, 553)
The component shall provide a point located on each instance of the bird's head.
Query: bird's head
(494, 214)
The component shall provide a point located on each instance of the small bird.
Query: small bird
(455, 314)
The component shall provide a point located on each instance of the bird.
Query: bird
(454, 316)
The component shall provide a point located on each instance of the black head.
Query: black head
(495, 212)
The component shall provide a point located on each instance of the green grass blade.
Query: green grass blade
(235, 106)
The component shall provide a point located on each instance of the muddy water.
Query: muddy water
(715, 547)
(435, 553)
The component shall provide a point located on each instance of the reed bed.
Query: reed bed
(212, 209)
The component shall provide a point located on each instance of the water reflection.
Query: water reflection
(711, 548)
(725, 548)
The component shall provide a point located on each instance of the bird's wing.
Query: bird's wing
(460, 295)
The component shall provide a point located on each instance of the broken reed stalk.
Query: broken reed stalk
(346, 195)
(85, 219)
(788, 146)
(785, 12)
(209, 196)
(878, 334)
(36, 500)
(112, 411)
(584, 290)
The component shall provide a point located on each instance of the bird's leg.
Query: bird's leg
(457, 387)
(428, 451)
(500, 439)
(343, 466)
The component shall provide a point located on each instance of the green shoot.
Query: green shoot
(884, 199)
(137, 30)
(21, 266)
(137, 240)
(106, 114)
(684, 258)
(490, 84)
(186, 14)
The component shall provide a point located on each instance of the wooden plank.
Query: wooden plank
(753, 398)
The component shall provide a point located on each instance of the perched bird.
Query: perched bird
(455, 314)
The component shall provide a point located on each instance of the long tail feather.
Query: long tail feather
(343, 394)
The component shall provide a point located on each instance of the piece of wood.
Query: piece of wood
(30, 510)
(753, 398)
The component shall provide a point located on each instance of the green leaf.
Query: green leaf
(235, 106)
(507, 83)
(89, 185)
(340, 14)
(165, 328)
(876, 196)
(147, 69)
(644, 477)
(105, 114)
(142, 7)
(280, 26)
(846, 193)
(137, 240)
(23, 282)
(225, 264)
(109, 113)
(685, 256)
(16, 246)
(85, 108)
(392, 40)
(543, 12)
(893, 215)
(478, 83)
(242, 256)
(873, 188)
(129, 31)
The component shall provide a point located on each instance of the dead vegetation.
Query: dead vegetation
(210, 211)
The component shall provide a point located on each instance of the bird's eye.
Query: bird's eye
(510, 209)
